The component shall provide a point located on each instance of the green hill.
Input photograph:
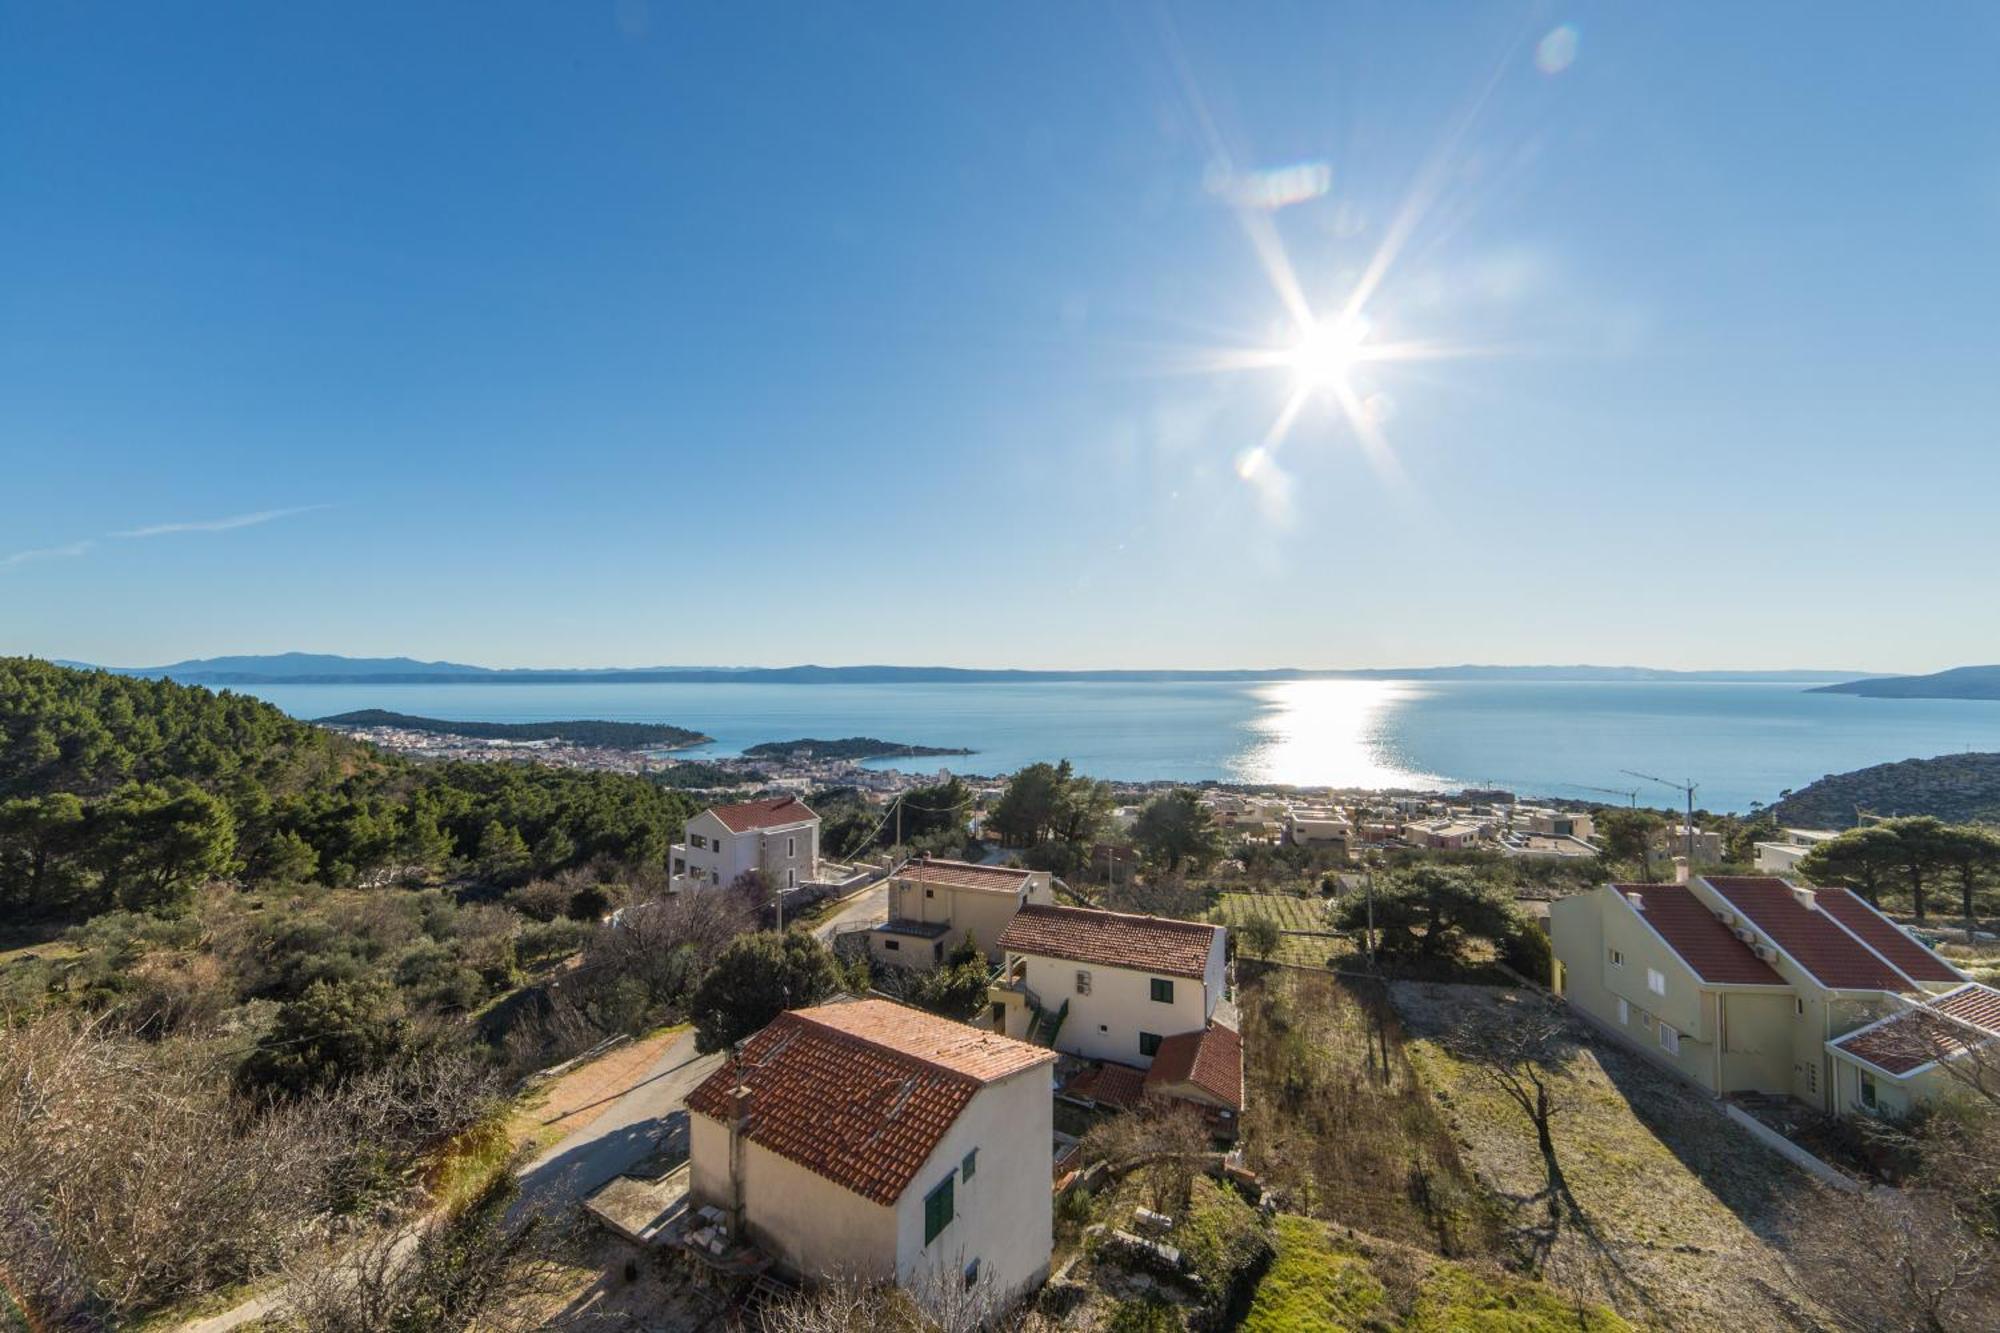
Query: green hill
(852, 747)
(1958, 788)
(616, 735)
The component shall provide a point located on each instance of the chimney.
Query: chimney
(739, 1126)
(1807, 899)
(1680, 870)
(1638, 900)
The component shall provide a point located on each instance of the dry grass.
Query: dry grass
(1339, 1123)
(1683, 1214)
(1307, 938)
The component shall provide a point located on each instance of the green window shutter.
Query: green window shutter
(1149, 1043)
(969, 1165)
(937, 1210)
(1163, 990)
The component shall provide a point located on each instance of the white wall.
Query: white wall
(1105, 1024)
(794, 848)
(1003, 1216)
(812, 1226)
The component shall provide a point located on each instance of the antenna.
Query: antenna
(1687, 787)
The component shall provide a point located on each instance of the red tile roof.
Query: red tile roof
(1884, 936)
(1211, 1061)
(963, 874)
(1157, 944)
(1110, 1083)
(860, 1092)
(769, 813)
(1703, 943)
(1943, 1026)
(1834, 958)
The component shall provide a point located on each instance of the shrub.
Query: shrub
(758, 977)
(331, 1033)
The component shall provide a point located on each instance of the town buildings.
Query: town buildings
(1744, 983)
(1782, 855)
(778, 835)
(868, 1140)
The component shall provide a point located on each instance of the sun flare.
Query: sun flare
(1327, 352)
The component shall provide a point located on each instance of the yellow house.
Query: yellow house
(1898, 1061)
(934, 905)
(1739, 983)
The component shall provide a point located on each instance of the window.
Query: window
(1868, 1090)
(937, 1210)
(680, 865)
(930, 893)
(791, 877)
(1798, 1006)
(1104, 1027)
(1082, 982)
(791, 847)
(1149, 1043)
(972, 1274)
(1624, 1010)
(696, 841)
(1163, 991)
(937, 951)
(1656, 981)
(970, 1165)
(1670, 1040)
(896, 946)
(1617, 958)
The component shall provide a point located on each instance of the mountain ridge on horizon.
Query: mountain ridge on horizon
(332, 668)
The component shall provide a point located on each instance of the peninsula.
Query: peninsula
(851, 748)
(610, 735)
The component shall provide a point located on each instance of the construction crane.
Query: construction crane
(1630, 794)
(1688, 789)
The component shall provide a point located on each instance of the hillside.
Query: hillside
(1970, 682)
(616, 735)
(1954, 787)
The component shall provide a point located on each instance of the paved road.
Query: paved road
(564, 1175)
(616, 1141)
(870, 907)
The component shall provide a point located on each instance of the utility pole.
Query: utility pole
(1369, 881)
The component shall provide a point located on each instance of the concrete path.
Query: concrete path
(870, 907)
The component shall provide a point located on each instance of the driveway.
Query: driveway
(617, 1139)
(868, 908)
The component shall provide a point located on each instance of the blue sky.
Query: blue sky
(641, 333)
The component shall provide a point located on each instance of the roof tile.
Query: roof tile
(1702, 942)
(769, 813)
(1157, 944)
(963, 874)
(860, 1092)
(1813, 937)
(1943, 1026)
(1885, 936)
(1211, 1060)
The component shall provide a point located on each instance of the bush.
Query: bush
(758, 977)
(333, 1032)
(1526, 949)
(541, 899)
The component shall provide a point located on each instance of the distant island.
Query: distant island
(331, 669)
(1970, 682)
(853, 748)
(612, 735)
(1954, 787)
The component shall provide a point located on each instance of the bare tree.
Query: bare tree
(1518, 1045)
(940, 1300)
(1895, 1261)
(1164, 1139)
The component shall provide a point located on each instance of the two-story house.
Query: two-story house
(1740, 983)
(778, 835)
(935, 905)
(1129, 982)
(869, 1140)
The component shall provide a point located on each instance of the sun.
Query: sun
(1328, 351)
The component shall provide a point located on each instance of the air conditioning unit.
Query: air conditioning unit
(1746, 935)
(1765, 952)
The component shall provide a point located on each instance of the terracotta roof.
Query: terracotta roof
(1210, 1060)
(963, 874)
(1885, 936)
(861, 1092)
(1944, 1025)
(1834, 958)
(1702, 942)
(768, 813)
(1110, 1083)
(1155, 944)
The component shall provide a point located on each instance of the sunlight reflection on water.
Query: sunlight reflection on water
(1333, 733)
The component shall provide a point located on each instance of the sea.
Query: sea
(1739, 743)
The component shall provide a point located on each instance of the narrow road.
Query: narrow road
(870, 907)
(563, 1176)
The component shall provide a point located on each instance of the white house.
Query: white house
(866, 1139)
(1782, 856)
(778, 835)
(1129, 982)
(935, 904)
